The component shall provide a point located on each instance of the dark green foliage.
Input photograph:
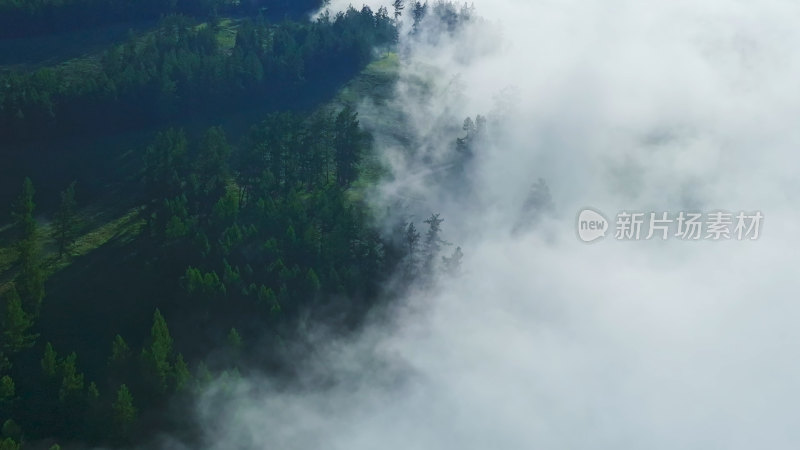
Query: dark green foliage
(71, 379)
(120, 363)
(49, 361)
(31, 278)
(66, 223)
(181, 375)
(26, 17)
(180, 69)
(210, 174)
(255, 235)
(206, 286)
(120, 352)
(234, 340)
(280, 235)
(348, 144)
(9, 444)
(10, 428)
(158, 354)
(246, 233)
(95, 421)
(124, 413)
(163, 161)
(7, 391)
(23, 211)
(15, 324)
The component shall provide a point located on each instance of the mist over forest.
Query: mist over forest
(433, 225)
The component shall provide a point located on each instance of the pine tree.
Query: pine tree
(398, 8)
(312, 282)
(9, 444)
(433, 241)
(120, 352)
(348, 144)
(419, 12)
(157, 355)
(11, 429)
(234, 340)
(94, 422)
(268, 300)
(234, 346)
(452, 264)
(49, 361)
(72, 380)
(7, 390)
(165, 165)
(66, 224)
(124, 412)
(92, 393)
(181, 374)
(412, 246)
(31, 278)
(210, 174)
(119, 363)
(23, 210)
(15, 325)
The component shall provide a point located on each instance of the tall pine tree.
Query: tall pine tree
(31, 278)
(66, 225)
(158, 354)
(124, 413)
(15, 324)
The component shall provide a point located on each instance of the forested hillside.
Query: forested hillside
(181, 68)
(20, 18)
(150, 250)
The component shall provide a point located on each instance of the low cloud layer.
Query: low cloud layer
(543, 341)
